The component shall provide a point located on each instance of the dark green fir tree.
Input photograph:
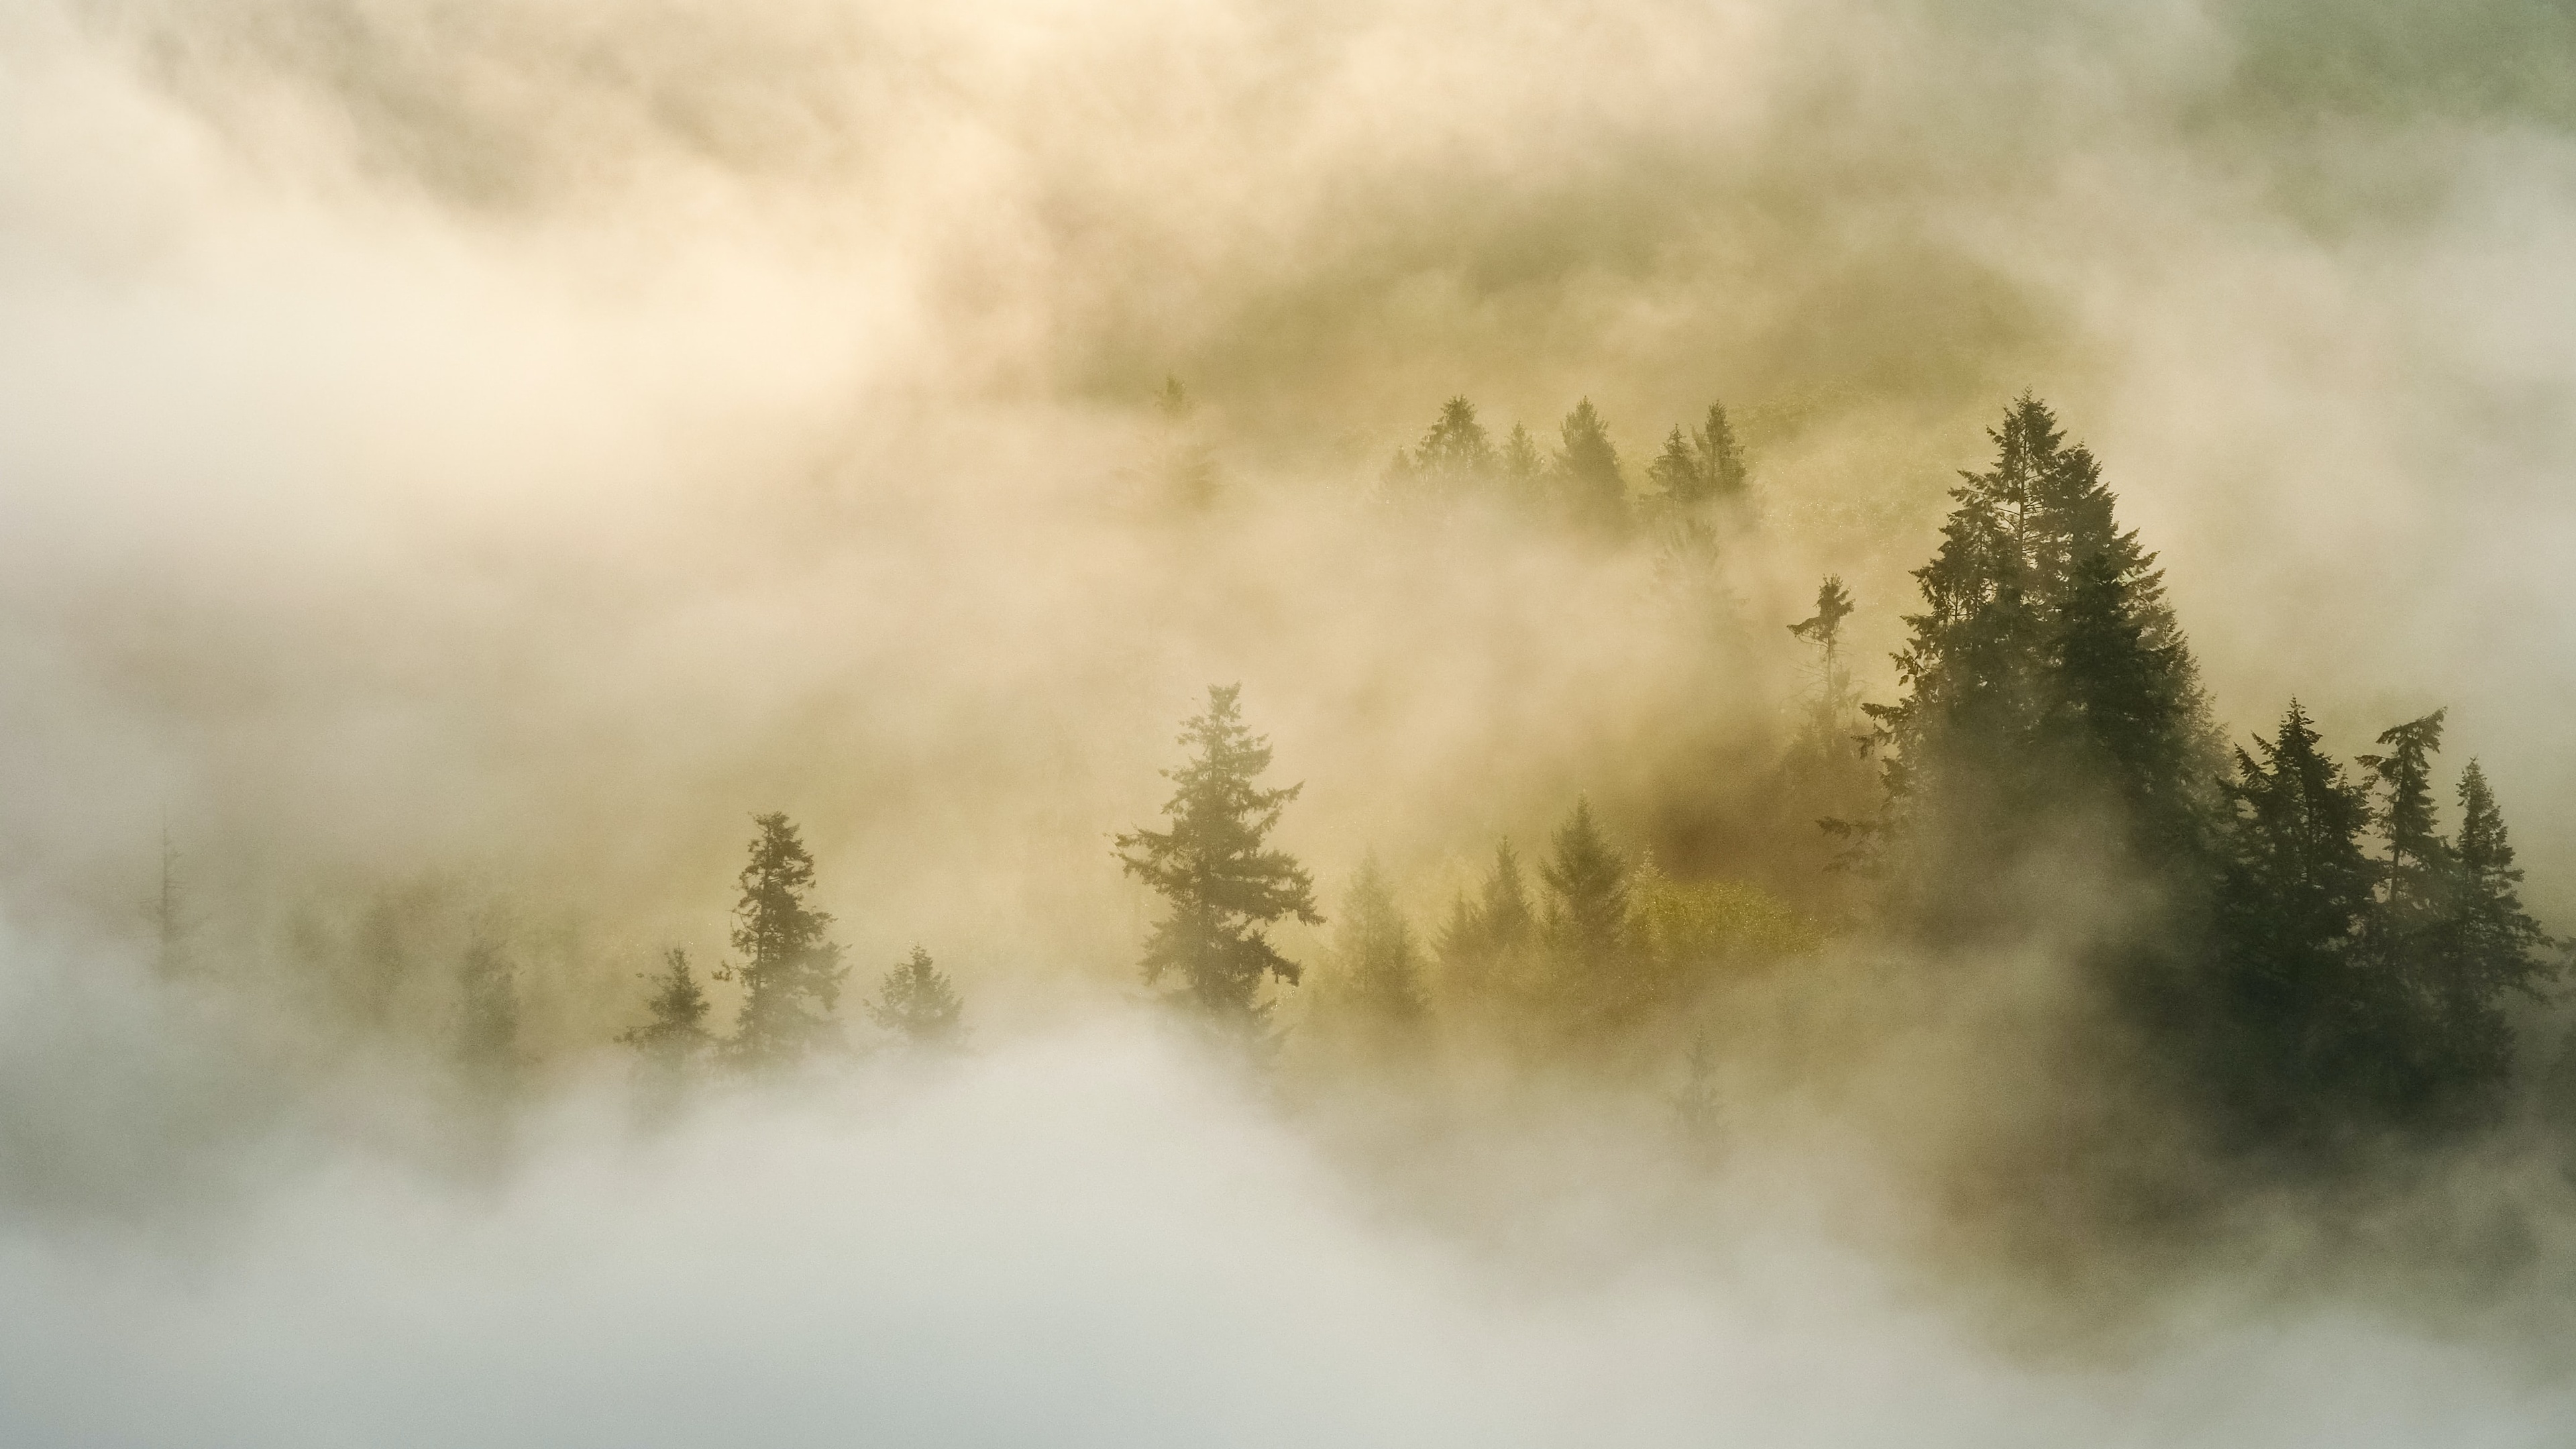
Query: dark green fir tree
(790, 970)
(919, 1005)
(1586, 466)
(674, 1036)
(1222, 884)
(1594, 982)
(1377, 991)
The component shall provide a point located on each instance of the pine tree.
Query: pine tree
(2047, 685)
(1379, 965)
(790, 971)
(2419, 864)
(1721, 458)
(2480, 947)
(1222, 886)
(1595, 981)
(1681, 483)
(1823, 788)
(2302, 1013)
(1587, 472)
(2499, 943)
(1455, 458)
(1699, 465)
(1523, 469)
(918, 1003)
(670, 1042)
(1677, 473)
(1456, 454)
(677, 1030)
(1485, 947)
(1824, 629)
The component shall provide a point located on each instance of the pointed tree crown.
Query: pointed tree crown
(1224, 885)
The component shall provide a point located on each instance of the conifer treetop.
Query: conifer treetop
(1224, 885)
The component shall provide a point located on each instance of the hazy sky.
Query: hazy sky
(434, 421)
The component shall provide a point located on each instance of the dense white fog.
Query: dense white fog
(1092, 1237)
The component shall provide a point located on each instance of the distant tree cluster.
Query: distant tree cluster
(791, 973)
(2319, 963)
(2313, 960)
(1580, 480)
(1597, 954)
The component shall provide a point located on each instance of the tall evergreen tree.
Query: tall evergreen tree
(2366, 996)
(2302, 1014)
(1824, 629)
(1587, 472)
(678, 1025)
(1456, 453)
(1595, 982)
(2047, 684)
(1380, 965)
(2450, 931)
(918, 1003)
(2497, 938)
(1677, 473)
(1823, 787)
(673, 1038)
(1455, 457)
(1223, 886)
(1721, 457)
(1523, 468)
(2419, 866)
(790, 970)
(1699, 465)
(1485, 947)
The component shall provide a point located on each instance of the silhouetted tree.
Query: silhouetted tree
(1587, 472)
(1485, 930)
(1595, 982)
(1721, 458)
(2488, 947)
(1222, 885)
(2048, 687)
(2362, 996)
(1379, 985)
(790, 971)
(1698, 466)
(2498, 944)
(1489, 947)
(1824, 629)
(919, 1004)
(1824, 790)
(676, 1032)
(1523, 469)
(2302, 1015)
(1456, 454)
(2416, 875)
(1676, 472)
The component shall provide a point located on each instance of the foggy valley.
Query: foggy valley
(1232, 723)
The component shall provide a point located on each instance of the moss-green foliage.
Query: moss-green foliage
(1700, 931)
